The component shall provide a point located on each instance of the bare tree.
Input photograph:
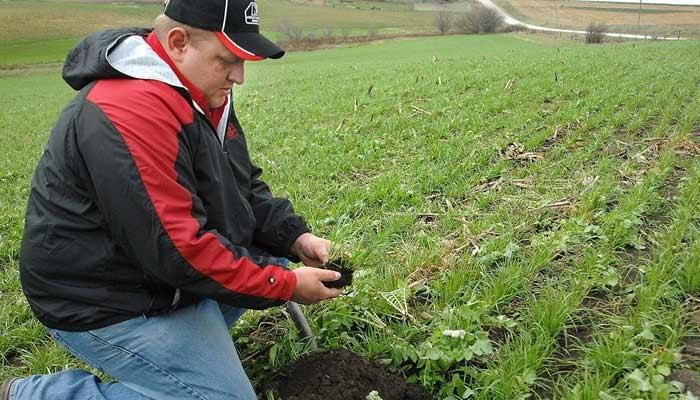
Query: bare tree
(595, 32)
(479, 19)
(293, 33)
(442, 22)
(372, 33)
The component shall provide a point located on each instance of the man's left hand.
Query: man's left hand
(311, 249)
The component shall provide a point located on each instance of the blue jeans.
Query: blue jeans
(184, 354)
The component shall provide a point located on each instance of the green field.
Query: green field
(523, 216)
(36, 31)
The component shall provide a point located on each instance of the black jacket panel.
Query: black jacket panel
(136, 199)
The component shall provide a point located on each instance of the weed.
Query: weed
(477, 271)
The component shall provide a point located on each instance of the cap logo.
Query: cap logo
(251, 14)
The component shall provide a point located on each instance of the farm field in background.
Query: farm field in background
(523, 216)
(654, 19)
(41, 32)
(35, 31)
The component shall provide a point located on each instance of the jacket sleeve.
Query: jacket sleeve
(144, 182)
(277, 226)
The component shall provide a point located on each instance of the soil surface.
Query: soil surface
(689, 378)
(342, 375)
(341, 266)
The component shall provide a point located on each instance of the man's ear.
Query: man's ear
(178, 42)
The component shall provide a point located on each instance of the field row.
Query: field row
(522, 217)
(516, 203)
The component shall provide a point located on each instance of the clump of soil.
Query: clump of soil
(342, 375)
(339, 265)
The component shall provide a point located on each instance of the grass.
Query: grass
(40, 31)
(413, 173)
(542, 199)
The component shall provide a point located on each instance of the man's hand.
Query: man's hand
(310, 288)
(312, 250)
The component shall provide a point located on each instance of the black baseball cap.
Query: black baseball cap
(235, 22)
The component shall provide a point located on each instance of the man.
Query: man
(148, 230)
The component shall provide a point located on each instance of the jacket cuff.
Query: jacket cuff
(289, 285)
(295, 228)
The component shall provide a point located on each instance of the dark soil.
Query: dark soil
(339, 265)
(689, 378)
(569, 344)
(342, 375)
(498, 334)
(12, 357)
(691, 350)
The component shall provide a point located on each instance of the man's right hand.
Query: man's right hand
(310, 288)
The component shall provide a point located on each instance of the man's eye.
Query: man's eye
(229, 62)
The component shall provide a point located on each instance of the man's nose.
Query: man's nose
(237, 73)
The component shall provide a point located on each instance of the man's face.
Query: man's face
(212, 68)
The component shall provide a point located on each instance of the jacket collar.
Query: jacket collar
(142, 58)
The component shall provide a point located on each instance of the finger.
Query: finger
(328, 276)
(330, 293)
(311, 262)
(322, 255)
(321, 249)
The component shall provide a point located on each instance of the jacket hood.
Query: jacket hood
(115, 53)
(87, 61)
(124, 53)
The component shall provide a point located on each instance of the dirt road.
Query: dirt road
(512, 21)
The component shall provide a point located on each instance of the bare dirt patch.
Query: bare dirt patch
(342, 375)
(691, 343)
(689, 378)
(691, 351)
(560, 132)
(575, 337)
(12, 357)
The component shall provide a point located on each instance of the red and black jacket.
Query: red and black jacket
(140, 204)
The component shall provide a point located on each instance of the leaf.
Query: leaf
(467, 354)
(528, 378)
(433, 354)
(657, 380)
(595, 229)
(638, 245)
(482, 347)
(456, 333)
(604, 396)
(504, 321)
(646, 334)
(638, 381)
(664, 370)
(273, 353)
(467, 393)
(668, 356)
(611, 278)
(511, 250)
(677, 387)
